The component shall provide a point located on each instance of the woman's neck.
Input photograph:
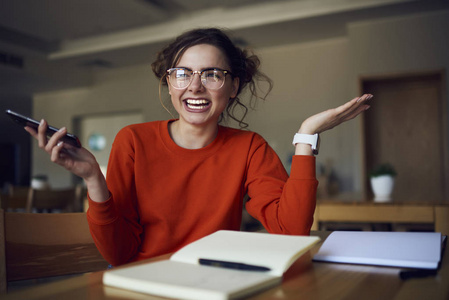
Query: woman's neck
(190, 136)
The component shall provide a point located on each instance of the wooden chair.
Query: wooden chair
(65, 200)
(15, 198)
(45, 245)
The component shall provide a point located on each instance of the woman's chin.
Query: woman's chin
(198, 119)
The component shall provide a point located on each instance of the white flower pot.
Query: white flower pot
(382, 187)
(39, 184)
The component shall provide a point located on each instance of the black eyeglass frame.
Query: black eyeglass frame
(200, 73)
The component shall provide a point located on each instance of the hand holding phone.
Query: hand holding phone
(26, 121)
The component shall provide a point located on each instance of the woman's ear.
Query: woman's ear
(169, 86)
(235, 87)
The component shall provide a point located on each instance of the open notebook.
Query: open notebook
(233, 264)
(420, 250)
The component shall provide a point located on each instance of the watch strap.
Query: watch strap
(311, 139)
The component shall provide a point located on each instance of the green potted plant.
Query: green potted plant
(382, 179)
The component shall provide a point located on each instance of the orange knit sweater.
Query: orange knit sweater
(164, 196)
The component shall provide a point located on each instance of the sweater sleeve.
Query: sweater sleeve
(114, 224)
(283, 205)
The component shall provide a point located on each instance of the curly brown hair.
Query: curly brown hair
(243, 64)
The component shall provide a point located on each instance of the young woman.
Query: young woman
(172, 182)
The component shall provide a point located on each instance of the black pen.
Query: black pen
(232, 265)
(417, 273)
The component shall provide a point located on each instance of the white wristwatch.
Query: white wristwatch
(312, 139)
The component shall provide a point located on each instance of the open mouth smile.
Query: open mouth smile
(197, 104)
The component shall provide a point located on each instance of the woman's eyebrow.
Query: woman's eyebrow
(181, 67)
(203, 69)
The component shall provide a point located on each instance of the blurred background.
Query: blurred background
(85, 64)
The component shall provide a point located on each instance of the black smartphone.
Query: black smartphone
(26, 121)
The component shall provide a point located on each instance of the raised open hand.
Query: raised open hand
(332, 117)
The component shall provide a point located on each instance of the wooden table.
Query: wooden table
(395, 213)
(304, 280)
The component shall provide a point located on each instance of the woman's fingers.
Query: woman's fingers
(333, 117)
(55, 139)
(41, 134)
(79, 161)
(353, 107)
(57, 153)
(51, 145)
(31, 131)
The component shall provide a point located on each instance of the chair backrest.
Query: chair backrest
(47, 245)
(16, 197)
(50, 199)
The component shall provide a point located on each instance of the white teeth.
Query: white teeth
(197, 104)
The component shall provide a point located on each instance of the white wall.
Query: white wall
(97, 133)
(308, 78)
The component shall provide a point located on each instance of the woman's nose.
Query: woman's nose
(196, 83)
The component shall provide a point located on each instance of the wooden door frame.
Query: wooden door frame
(444, 118)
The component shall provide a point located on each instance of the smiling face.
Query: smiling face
(195, 104)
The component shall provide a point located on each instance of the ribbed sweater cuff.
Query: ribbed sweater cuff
(303, 167)
(101, 212)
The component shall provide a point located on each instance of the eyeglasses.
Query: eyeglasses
(212, 78)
